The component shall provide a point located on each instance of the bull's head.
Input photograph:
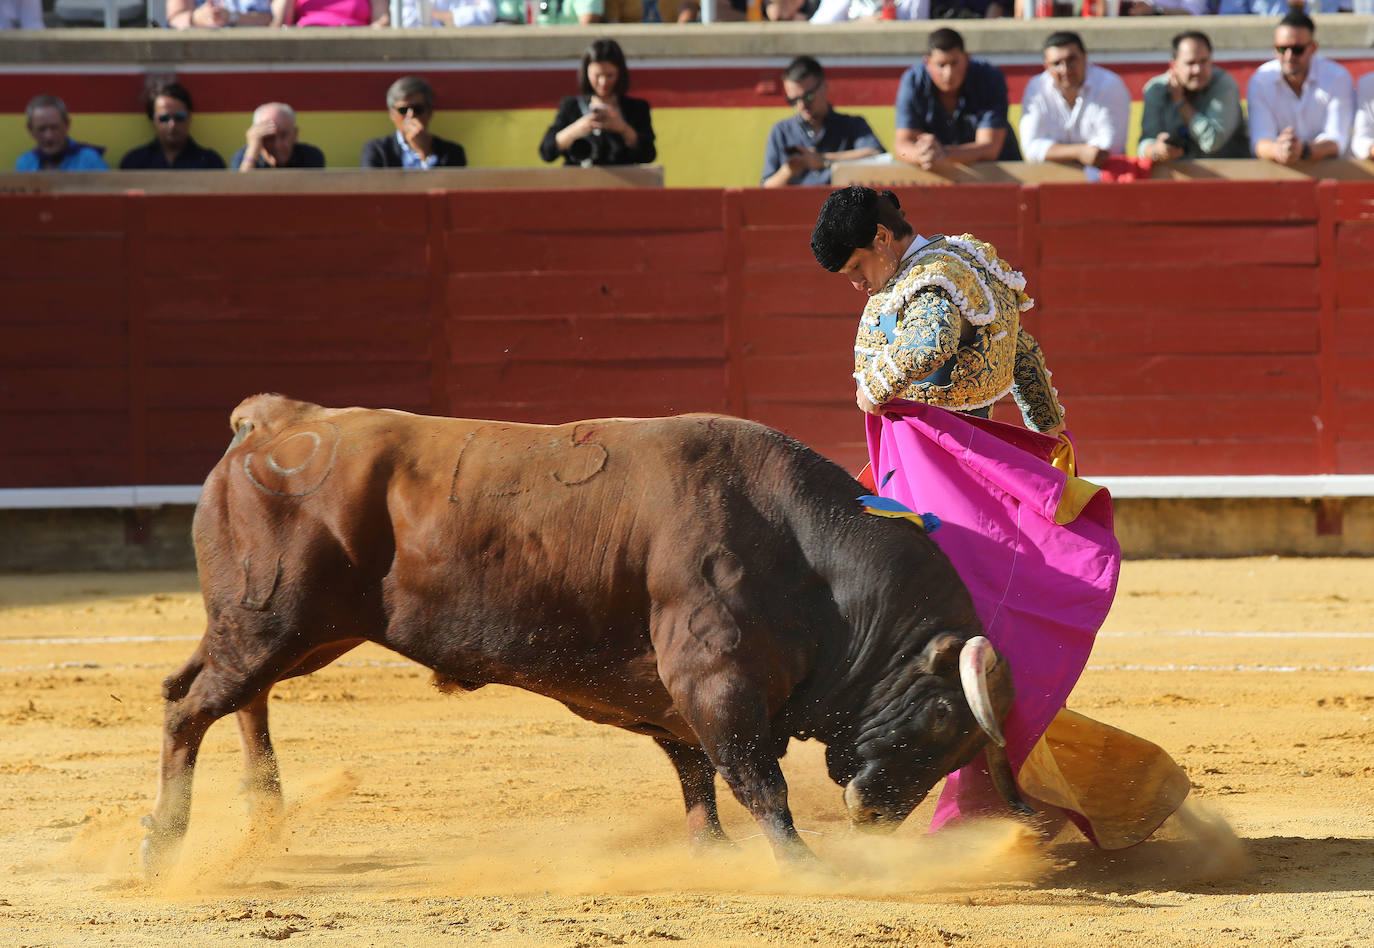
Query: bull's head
(928, 721)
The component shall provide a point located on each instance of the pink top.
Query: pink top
(333, 12)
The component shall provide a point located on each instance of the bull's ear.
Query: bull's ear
(942, 655)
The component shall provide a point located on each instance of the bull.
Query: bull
(703, 580)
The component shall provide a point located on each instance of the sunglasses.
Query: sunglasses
(167, 118)
(807, 97)
(1297, 49)
(416, 110)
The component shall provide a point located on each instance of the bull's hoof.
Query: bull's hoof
(158, 851)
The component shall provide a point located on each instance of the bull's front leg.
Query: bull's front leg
(697, 774)
(261, 776)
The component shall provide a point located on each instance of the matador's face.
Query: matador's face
(869, 268)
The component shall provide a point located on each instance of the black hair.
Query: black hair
(849, 220)
(1196, 36)
(802, 68)
(1299, 19)
(604, 51)
(1065, 38)
(945, 40)
(172, 90)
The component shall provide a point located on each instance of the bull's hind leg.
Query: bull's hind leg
(261, 775)
(698, 777)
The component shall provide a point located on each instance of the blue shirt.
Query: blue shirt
(78, 157)
(410, 158)
(193, 157)
(982, 104)
(1270, 7)
(838, 133)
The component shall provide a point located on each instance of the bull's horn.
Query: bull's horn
(975, 658)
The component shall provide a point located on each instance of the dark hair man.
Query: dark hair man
(802, 148)
(169, 107)
(952, 109)
(1074, 112)
(48, 123)
(1193, 109)
(1301, 104)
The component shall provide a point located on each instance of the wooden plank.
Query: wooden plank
(1354, 201)
(812, 422)
(63, 345)
(789, 248)
(1190, 244)
(59, 257)
(403, 385)
(1200, 288)
(1181, 201)
(87, 469)
(69, 299)
(930, 210)
(1138, 327)
(677, 385)
(784, 334)
(49, 215)
(296, 298)
(511, 252)
(583, 212)
(1145, 415)
(1355, 245)
(631, 404)
(333, 341)
(780, 292)
(1354, 289)
(271, 255)
(1354, 373)
(67, 434)
(540, 295)
(216, 217)
(62, 388)
(820, 376)
(1354, 457)
(1163, 458)
(593, 337)
(1197, 376)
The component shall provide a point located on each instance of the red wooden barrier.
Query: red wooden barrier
(1193, 327)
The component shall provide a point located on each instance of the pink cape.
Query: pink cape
(1041, 589)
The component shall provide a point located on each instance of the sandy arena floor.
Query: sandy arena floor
(500, 818)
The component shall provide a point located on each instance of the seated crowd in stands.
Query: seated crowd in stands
(951, 109)
(214, 14)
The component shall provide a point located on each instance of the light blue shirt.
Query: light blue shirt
(410, 158)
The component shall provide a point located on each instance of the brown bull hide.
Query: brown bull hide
(700, 579)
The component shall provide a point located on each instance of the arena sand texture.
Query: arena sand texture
(500, 818)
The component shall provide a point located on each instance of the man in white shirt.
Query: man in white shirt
(1301, 104)
(21, 15)
(1362, 138)
(1074, 112)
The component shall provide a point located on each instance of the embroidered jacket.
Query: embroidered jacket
(946, 330)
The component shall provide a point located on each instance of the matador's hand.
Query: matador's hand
(865, 405)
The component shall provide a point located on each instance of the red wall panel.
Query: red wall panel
(1193, 327)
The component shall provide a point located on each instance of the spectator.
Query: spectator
(1301, 104)
(169, 108)
(785, 11)
(801, 148)
(272, 142)
(186, 14)
(1362, 138)
(49, 124)
(838, 11)
(603, 125)
(1193, 110)
(1074, 112)
(953, 109)
(331, 13)
(1274, 7)
(21, 14)
(569, 12)
(451, 13)
(410, 102)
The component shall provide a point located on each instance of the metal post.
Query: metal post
(111, 14)
(396, 14)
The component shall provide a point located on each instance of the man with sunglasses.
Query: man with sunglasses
(802, 148)
(1301, 104)
(410, 102)
(169, 107)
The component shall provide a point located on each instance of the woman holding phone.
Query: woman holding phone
(602, 125)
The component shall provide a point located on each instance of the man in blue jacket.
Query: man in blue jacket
(48, 122)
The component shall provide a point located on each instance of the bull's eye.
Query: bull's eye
(939, 713)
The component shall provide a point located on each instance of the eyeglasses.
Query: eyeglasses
(416, 110)
(808, 97)
(1297, 49)
(166, 118)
